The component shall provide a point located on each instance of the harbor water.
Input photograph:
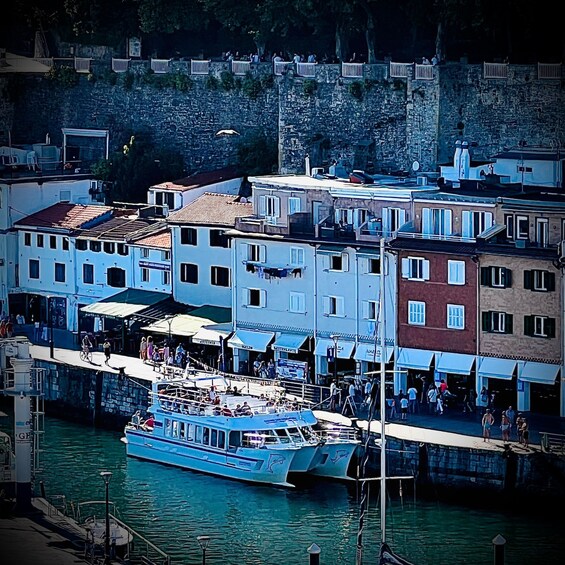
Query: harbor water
(263, 525)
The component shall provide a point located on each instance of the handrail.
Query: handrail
(552, 443)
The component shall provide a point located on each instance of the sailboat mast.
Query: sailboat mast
(383, 387)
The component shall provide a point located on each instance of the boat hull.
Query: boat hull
(333, 459)
(244, 464)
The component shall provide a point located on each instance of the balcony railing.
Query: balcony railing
(495, 70)
(435, 237)
(160, 66)
(306, 69)
(82, 65)
(423, 72)
(240, 67)
(280, 67)
(400, 70)
(199, 67)
(120, 65)
(352, 70)
(549, 71)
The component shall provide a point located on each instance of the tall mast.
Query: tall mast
(383, 386)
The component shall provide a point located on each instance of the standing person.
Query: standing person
(505, 427)
(412, 399)
(368, 386)
(271, 370)
(2, 329)
(439, 405)
(524, 428)
(333, 396)
(404, 408)
(9, 327)
(487, 422)
(143, 349)
(391, 403)
(519, 421)
(150, 348)
(432, 399)
(469, 402)
(511, 419)
(106, 346)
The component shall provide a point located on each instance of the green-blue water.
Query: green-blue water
(262, 525)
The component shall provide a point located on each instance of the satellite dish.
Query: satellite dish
(415, 166)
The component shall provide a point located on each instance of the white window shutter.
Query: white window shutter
(426, 269)
(466, 224)
(262, 205)
(462, 271)
(365, 309)
(339, 306)
(345, 262)
(326, 301)
(245, 251)
(277, 206)
(405, 267)
(263, 294)
(401, 217)
(262, 253)
(426, 221)
(363, 265)
(245, 296)
(488, 220)
(386, 220)
(447, 222)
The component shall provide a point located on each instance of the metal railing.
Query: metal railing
(82, 65)
(495, 70)
(160, 66)
(280, 67)
(552, 443)
(352, 70)
(240, 68)
(549, 71)
(306, 69)
(120, 65)
(199, 67)
(423, 72)
(400, 70)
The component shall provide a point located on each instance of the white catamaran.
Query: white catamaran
(247, 438)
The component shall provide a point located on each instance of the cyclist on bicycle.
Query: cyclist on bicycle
(86, 344)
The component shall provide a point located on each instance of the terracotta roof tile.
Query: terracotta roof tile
(213, 209)
(161, 240)
(199, 180)
(65, 215)
(123, 228)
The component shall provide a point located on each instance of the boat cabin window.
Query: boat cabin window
(183, 430)
(175, 429)
(294, 433)
(206, 436)
(283, 437)
(198, 437)
(168, 427)
(234, 439)
(190, 432)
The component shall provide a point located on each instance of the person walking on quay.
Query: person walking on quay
(143, 349)
(487, 422)
(106, 346)
(505, 427)
(333, 396)
(525, 432)
(150, 348)
(432, 399)
(511, 414)
(519, 421)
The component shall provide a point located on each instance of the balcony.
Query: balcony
(274, 271)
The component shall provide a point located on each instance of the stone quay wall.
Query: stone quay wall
(107, 400)
(375, 121)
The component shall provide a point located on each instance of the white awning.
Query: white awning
(455, 363)
(250, 340)
(415, 358)
(210, 335)
(541, 373)
(289, 343)
(181, 324)
(492, 368)
(344, 347)
(372, 352)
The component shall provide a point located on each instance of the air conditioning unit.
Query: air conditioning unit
(422, 180)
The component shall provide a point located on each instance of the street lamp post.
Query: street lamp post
(106, 476)
(50, 316)
(204, 542)
(335, 339)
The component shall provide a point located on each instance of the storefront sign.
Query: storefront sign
(158, 266)
(289, 369)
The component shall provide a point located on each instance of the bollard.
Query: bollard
(499, 542)
(314, 551)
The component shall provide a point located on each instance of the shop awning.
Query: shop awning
(492, 368)
(210, 335)
(371, 352)
(124, 304)
(541, 373)
(251, 340)
(415, 358)
(455, 363)
(344, 348)
(289, 343)
(181, 324)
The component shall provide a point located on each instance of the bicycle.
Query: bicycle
(85, 354)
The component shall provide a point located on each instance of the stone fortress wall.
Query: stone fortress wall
(375, 122)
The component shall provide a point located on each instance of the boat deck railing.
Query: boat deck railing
(552, 443)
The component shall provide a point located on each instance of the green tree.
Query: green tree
(257, 154)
